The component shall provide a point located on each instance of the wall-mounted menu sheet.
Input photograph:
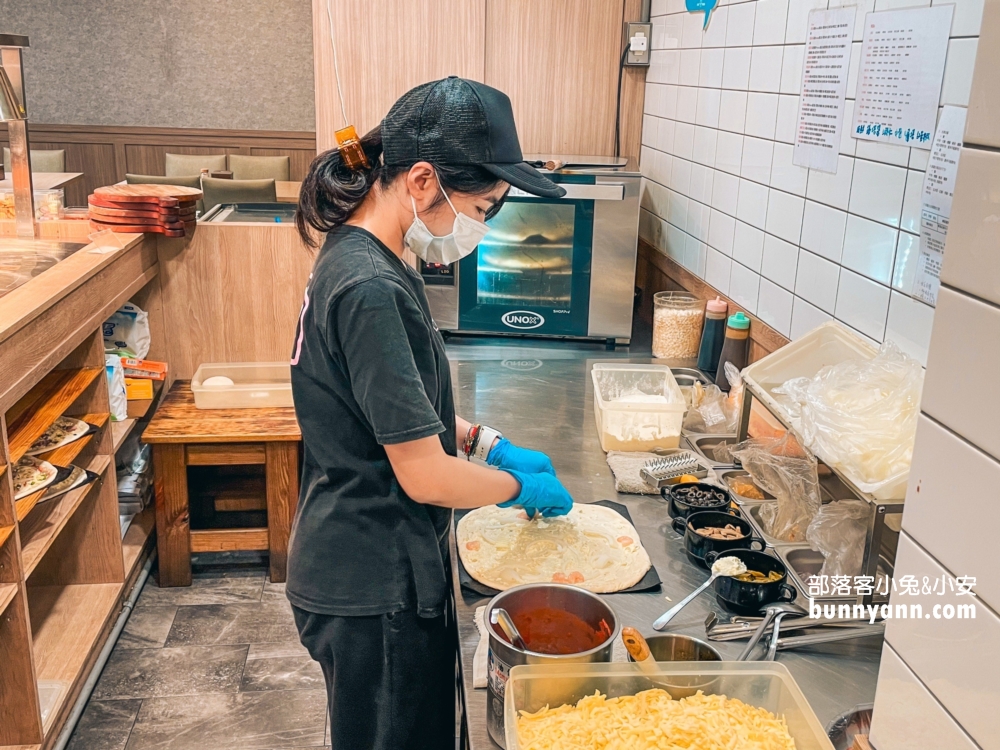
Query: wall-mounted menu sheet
(899, 83)
(824, 88)
(935, 202)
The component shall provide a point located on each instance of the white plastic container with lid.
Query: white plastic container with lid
(637, 407)
(242, 385)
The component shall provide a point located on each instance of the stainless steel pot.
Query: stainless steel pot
(502, 655)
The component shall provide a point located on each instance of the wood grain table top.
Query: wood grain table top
(45, 180)
(178, 420)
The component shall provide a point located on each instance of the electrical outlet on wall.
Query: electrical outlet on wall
(638, 37)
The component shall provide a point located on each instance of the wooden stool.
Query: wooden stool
(183, 435)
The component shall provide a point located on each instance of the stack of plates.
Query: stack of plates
(166, 209)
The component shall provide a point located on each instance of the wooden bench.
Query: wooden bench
(182, 436)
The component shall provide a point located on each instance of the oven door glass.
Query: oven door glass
(531, 274)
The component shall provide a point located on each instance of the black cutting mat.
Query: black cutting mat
(649, 582)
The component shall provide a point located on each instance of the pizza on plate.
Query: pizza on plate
(592, 547)
(32, 474)
(62, 432)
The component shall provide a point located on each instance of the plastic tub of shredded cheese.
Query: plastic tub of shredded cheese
(751, 704)
(637, 407)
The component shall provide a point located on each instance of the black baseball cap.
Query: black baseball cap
(455, 121)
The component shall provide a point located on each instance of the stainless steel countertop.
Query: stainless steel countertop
(541, 396)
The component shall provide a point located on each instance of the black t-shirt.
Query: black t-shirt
(368, 369)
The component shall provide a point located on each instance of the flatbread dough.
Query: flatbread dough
(63, 431)
(592, 547)
(31, 475)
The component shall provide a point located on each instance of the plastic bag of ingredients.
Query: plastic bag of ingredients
(711, 409)
(780, 467)
(116, 387)
(127, 332)
(839, 531)
(861, 417)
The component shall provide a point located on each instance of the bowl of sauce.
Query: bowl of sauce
(559, 624)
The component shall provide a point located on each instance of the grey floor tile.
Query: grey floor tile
(217, 589)
(147, 627)
(105, 725)
(261, 622)
(280, 666)
(274, 591)
(158, 672)
(245, 721)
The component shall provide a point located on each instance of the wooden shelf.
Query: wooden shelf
(7, 593)
(120, 431)
(5, 532)
(41, 528)
(60, 457)
(67, 624)
(30, 417)
(136, 537)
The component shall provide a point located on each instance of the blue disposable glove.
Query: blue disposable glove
(506, 455)
(540, 493)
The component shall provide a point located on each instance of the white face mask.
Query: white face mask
(466, 234)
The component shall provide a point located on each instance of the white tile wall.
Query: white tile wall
(907, 716)
(962, 368)
(721, 111)
(937, 492)
(956, 659)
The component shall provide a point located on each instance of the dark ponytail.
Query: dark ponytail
(331, 192)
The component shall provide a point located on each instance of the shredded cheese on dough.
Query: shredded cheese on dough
(652, 720)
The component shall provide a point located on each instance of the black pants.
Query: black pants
(390, 679)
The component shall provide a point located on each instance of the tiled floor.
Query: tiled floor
(214, 665)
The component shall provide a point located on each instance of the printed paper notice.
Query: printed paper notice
(902, 64)
(824, 88)
(935, 202)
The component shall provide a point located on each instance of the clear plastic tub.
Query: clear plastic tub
(766, 685)
(49, 204)
(255, 385)
(637, 407)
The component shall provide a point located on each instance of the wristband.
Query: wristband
(484, 442)
(471, 438)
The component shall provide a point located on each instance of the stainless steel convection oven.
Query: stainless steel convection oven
(562, 267)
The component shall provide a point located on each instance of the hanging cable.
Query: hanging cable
(618, 104)
(336, 68)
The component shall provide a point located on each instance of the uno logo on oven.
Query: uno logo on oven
(522, 319)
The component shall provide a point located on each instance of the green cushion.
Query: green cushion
(259, 167)
(188, 164)
(237, 191)
(41, 161)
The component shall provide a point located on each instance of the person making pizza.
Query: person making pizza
(384, 454)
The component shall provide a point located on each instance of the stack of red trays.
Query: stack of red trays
(166, 209)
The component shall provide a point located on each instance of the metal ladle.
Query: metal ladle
(500, 616)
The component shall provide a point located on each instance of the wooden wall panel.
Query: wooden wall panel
(105, 154)
(558, 62)
(385, 48)
(232, 293)
(95, 160)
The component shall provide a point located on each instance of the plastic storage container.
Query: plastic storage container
(637, 407)
(49, 204)
(677, 323)
(766, 685)
(255, 385)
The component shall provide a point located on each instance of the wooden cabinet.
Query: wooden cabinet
(64, 567)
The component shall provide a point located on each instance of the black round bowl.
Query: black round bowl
(677, 505)
(697, 546)
(749, 598)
